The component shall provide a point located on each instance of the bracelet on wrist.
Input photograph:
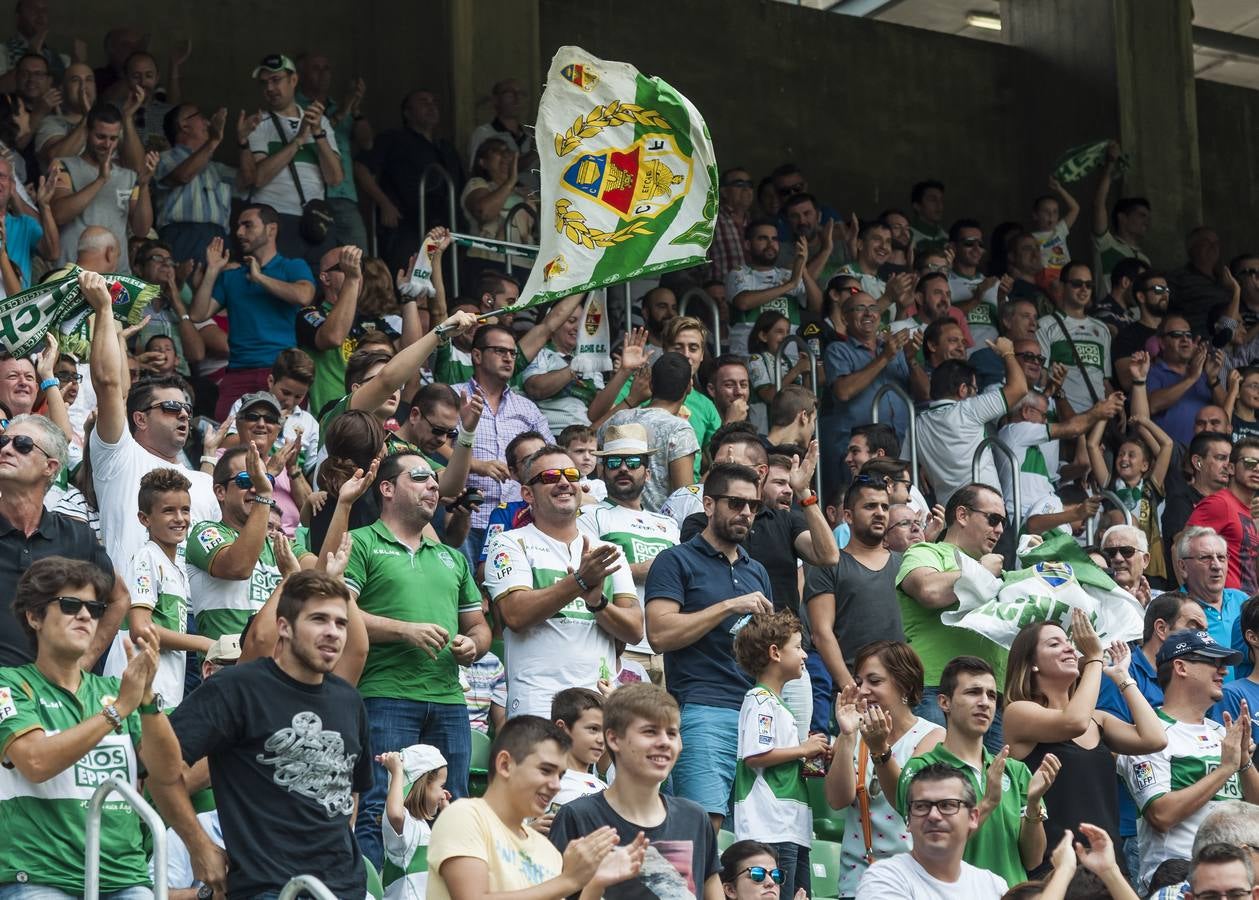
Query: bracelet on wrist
(881, 758)
(321, 134)
(598, 607)
(581, 582)
(1096, 659)
(48, 383)
(1137, 381)
(1127, 684)
(212, 460)
(1249, 765)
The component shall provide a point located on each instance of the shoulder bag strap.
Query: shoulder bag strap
(863, 802)
(297, 182)
(1075, 355)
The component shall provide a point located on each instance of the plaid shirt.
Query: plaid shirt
(726, 252)
(516, 414)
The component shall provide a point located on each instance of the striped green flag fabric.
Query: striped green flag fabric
(1079, 161)
(629, 179)
(58, 304)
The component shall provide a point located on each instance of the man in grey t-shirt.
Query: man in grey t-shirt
(853, 602)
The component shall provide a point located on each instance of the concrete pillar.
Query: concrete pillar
(1128, 65)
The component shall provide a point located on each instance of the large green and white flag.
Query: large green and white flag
(58, 305)
(629, 179)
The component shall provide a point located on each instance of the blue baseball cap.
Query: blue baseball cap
(1196, 643)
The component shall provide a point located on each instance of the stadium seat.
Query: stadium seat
(824, 861)
(724, 840)
(828, 824)
(375, 889)
(479, 767)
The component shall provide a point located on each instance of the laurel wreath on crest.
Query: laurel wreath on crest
(572, 224)
(601, 117)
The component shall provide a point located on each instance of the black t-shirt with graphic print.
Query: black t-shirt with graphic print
(286, 759)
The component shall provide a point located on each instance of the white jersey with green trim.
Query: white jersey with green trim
(640, 534)
(568, 649)
(1192, 753)
(771, 803)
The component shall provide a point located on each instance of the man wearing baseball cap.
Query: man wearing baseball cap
(1204, 762)
(288, 155)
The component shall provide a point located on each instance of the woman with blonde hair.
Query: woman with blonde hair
(1051, 687)
(878, 733)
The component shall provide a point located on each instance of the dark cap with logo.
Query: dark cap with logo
(1189, 642)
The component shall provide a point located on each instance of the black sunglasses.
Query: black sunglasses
(174, 407)
(268, 417)
(994, 519)
(1080, 283)
(736, 504)
(23, 444)
(1125, 552)
(438, 431)
(70, 606)
(739, 182)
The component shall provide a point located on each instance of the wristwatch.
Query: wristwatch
(110, 712)
(598, 607)
(154, 707)
(265, 501)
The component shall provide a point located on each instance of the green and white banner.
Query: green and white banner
(27, 316)
(1058, 578)
(629, 179)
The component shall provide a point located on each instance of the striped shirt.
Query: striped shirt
(516, 414)
(206, 198)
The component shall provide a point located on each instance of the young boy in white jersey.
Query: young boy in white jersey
(771, 803)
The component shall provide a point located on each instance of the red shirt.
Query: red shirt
(1231, 519)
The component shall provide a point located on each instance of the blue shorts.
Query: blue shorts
(705, 769)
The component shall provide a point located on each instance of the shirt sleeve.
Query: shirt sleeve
(355, 575)
(205, 721)
(308, 322)
(298, 269)
(819, 580)
(547, 360)
(621, 581)
(1148, 777)
(19, 710)
(1210, 512)
(736, 283)
(919, 556)
(458, 831)
(469, 593)
(206, 540)
(664, 579)
(142, 580)
(219, 290)
(507, 568)
(364, 775)
(984, 408)
(756, 725)
(399, 848)
(884, 881)
(682, 441)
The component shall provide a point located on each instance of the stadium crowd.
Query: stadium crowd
(375, 587)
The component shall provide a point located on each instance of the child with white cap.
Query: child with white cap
(417, 793)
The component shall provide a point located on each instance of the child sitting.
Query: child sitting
(417, 793)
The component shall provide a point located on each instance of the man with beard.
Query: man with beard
(805, 220)
(621, 519)
(1206, 470)
(760, 285)
(850, 603)
(1152, 296)
(564, 600)
(419, 638)
(901, 258)
(261, 297)
(698, 594)
(1230, 513)
(730, 387)
(1075, 335)
(659, 305)
(288, 749)
(932, 302)
(874, 246)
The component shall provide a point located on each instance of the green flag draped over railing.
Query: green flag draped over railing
(629, 179)
(59, 306)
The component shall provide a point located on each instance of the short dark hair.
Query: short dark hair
(670, 376)
(967, 495)
(863, 483)
(46, 578)
(722, 474)
(515, 443)
(764, 630)
(864, 228)
(159, 481)
(750, 228)
(520, 735)
(1165, 607)
(140, 397)
(1142, 282)
(733, 433)
(227, 464)
(1246, 443)
(1169, 872)
(576, 432)
(729, 359)
(797, 199)
(481, 339)
(733, 857)
(934, 331)
(942, 771)
(959, 665)
(1222, 854)
(390, 468)
(1065, 274)
(1250, 620)
(1126, 206)
(304, 586)
(294, 363)
(879, 436)
(955, 230)
(531, 460)
(1130, 267)
(1204, 439)
(923, 280)
(266, 213)
(359, 363)
(949, 377)
(919, 190)
(884, 467)
(788, 403)
(431, 396)
(103, 113)
(568, 705)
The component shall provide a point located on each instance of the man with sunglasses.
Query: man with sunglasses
(1152, 296)
(232, 568)
(419, 638)
(1127, 551)
(1204, 762)
(968, 285)
(621, 520)
(327, 328)
(194, 201)
(1183, 379)
(563, 598)
(1074, 326)
(943, 814)
(135, 434)
(1231, 514)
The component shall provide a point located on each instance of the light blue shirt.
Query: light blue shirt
(207, 198)
(846, 356)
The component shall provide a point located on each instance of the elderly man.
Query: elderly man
(1128, 553)
(1200, 558)
(904, 528)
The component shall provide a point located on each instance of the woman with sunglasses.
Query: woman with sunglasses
(66, 730)
(749, 871)
(1051, 687)
(878, 733)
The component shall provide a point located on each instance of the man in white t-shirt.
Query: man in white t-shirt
(1090, 337)
(952, 425)
(563, 599)
(133, 436)
(760, 285)
(288, 139)
(942, 816)
(621, 520)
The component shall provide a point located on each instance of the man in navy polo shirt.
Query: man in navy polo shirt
(699, 594)
(261, 297)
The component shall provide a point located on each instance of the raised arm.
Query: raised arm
(1015, 388)
(396, 372)
(295, 293)
(203, 303)
(537, 336)
(105, 363)
(336, 327)
(1097, 459)
(1101, 215)
(1070, 206)
(196, 161)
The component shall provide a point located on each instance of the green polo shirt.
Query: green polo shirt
(933, 641)
(995, 846)
(433, 585)
(44, 825)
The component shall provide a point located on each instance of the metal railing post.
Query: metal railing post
(1090, 528)
(92, 844)
(912, 433)
(629, 310)
(450, 206)
(1000, 446)
(778, 383)
(308, 883)
(698, 294)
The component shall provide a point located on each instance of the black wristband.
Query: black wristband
(598, 607)
(322, 134)
(581, 582)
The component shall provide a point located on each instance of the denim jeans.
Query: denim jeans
(395, 724)
(794, 862)
(45, 892)
(705, 769)
(929, 709)
(471, 547)
(823, 695)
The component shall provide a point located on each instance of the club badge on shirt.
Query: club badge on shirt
(7, 706)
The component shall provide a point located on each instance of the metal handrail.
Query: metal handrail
(1090, 527)
(629, 309)
(450, 207)
(698, 294)
(308, 883)
(92, 848)
(994, 443)
(511, 213)
(778, 383)
(911, 434)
